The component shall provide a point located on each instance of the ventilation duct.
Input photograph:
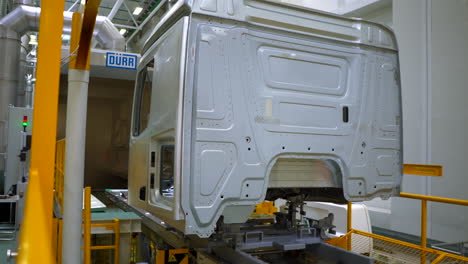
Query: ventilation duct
(13, 26)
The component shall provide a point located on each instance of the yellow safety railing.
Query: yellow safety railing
(87, 225)
(388, 250)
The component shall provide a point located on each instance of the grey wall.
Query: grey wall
(432, 36)
(449, 115)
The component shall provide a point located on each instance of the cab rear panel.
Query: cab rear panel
(249, 109)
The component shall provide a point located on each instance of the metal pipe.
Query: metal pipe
(26, 18)
(28, 91)
(17, 3)
(9, 57)
(74, 163)
(3, 8)
(22, 70)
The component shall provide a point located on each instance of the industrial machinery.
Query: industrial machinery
(16, 170)
(237, 102)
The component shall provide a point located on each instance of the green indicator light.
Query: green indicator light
(25, 123)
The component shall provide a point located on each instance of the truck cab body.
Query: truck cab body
(241, 101)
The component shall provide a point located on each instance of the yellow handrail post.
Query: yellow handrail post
(423, 229)
(349, 218)
(87, 226)
(36, 242)
(117, 241)
(349, 221)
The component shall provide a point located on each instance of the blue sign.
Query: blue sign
(121, 60)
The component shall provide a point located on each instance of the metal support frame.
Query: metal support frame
(147, 19)
(115, 9)
(117, 5)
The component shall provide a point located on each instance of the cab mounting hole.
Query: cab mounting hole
(283, 147)
(246, 195)
(248, 149)
(222, 196)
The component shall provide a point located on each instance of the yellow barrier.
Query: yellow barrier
(389, 250)
(87, 225)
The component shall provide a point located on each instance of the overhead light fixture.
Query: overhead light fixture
(137, 10)
(123, 31)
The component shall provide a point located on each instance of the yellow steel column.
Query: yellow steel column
(36, 230)
(423, 229)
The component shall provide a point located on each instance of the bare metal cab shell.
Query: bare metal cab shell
(238, 101)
